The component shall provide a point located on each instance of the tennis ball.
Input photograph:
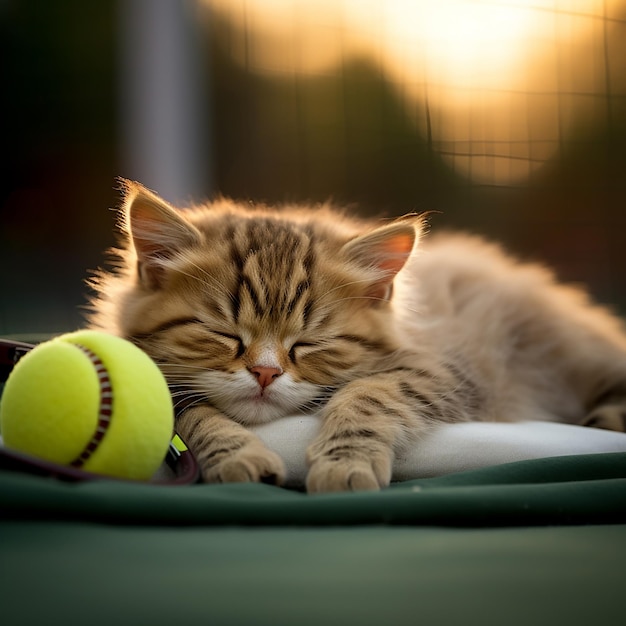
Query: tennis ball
(92, 401)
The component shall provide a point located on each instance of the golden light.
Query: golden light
(481, 78)
(468, 44)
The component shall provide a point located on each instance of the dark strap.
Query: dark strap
(10, 353)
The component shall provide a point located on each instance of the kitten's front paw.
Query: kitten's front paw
(251, 463)
(331, 473)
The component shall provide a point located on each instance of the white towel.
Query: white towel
(451, 447)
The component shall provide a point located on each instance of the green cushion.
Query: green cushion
(535, 542)
(559, 490)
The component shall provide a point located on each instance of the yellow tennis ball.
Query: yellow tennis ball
(92, 401)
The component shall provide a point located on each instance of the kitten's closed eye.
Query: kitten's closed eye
(235, 341)
(298, 349)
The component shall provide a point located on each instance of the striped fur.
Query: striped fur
(255, 313)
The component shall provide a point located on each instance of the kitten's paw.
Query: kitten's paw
(608, 417)
(348, 474)
(252, 463)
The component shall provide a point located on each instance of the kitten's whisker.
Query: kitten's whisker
(190, 401)
(200, 368)
(180, 381)
(181, 394)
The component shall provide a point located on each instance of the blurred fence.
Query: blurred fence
(506, 118)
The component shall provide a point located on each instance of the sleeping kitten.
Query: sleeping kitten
(254, 314)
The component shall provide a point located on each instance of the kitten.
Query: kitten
(254, 314)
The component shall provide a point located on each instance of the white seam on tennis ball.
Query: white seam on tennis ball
(105, 411)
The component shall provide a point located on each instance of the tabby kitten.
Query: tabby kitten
(253, 314)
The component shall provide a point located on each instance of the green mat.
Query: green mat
(535, 542)
(561, 490)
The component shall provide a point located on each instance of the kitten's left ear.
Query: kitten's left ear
(157, 230)
(385, 250)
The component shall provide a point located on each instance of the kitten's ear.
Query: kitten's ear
(157, 230)
(385, 250)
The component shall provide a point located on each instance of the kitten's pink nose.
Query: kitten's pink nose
(265, 375)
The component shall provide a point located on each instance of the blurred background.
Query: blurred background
(506, 118)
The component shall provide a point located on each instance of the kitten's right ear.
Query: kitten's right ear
(385, 251)
(157, 231)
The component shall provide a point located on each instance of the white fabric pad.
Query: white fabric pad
(451, 447)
